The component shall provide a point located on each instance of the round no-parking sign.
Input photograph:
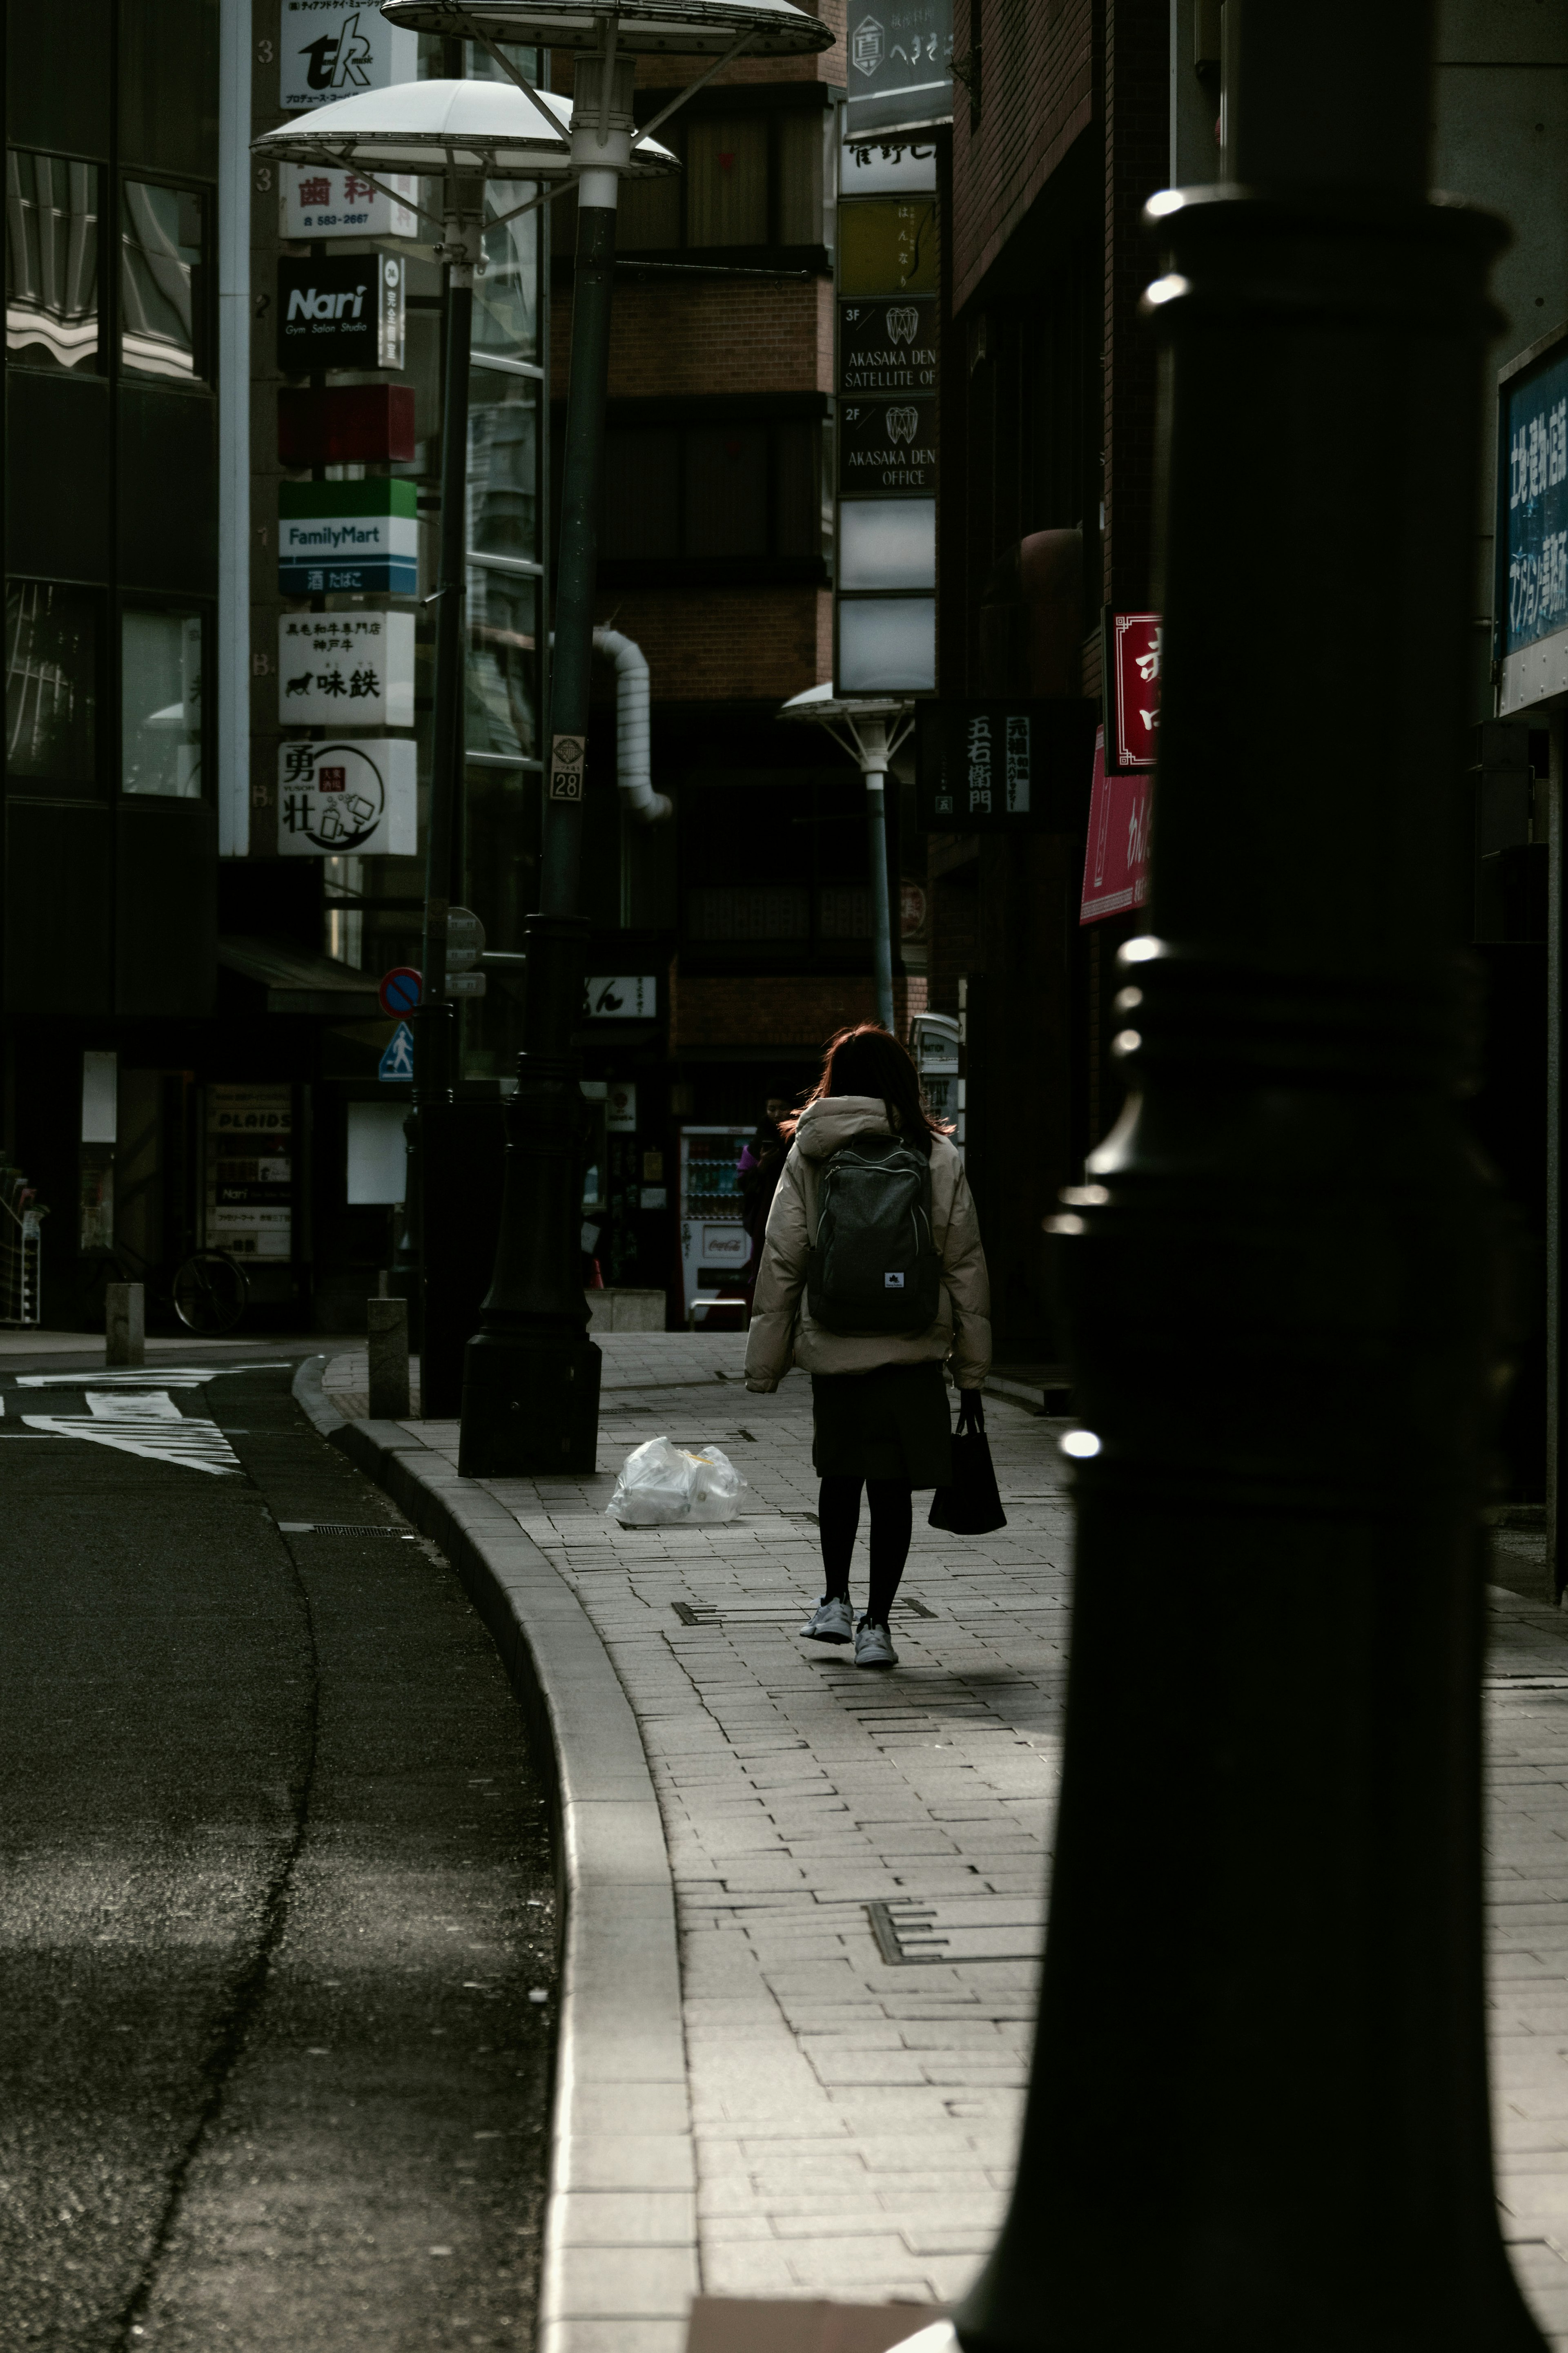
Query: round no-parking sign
(399, 990)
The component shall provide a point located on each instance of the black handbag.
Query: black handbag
(972, 1505)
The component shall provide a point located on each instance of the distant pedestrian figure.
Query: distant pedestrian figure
(879, 1399)
(761, 1165)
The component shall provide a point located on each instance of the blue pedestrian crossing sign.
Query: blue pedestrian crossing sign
(397, 1063)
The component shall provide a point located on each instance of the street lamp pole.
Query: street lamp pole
(1263, 1966)
(530, 1386)
(872, 729)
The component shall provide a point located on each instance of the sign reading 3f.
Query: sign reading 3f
(331, 49)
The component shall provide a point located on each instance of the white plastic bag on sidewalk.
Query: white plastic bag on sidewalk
(660, 1483)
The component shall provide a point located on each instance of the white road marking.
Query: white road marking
(165, 1377)
(150, 1424)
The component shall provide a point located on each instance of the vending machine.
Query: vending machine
(714, 1244)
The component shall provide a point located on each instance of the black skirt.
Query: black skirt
(892, 1423)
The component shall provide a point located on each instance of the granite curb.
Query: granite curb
(620, 2255)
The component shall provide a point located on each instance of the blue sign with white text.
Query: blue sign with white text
(1535, 452)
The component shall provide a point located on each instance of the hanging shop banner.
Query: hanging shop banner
(886, 446)
(342, 312)
(331, 50)
(319, 202)
(1532, 600)
(610, 999)
(250, 1171)
(357, 666)
(1133, 653)
(900, 58)
(987, 767)
(334, 799)
(887, 245)
(1116, 862)
(885, 349)
(362, 538)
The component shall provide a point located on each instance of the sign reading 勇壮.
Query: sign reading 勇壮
(338, 798)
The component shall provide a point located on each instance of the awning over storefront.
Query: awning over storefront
(297, 980)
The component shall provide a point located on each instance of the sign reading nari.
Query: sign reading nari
(358, 666)
(342, 312)
(359, 537)
(334, 798)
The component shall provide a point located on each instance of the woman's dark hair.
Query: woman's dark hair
(868, 1060)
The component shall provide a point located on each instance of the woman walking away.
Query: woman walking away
(872, 1276)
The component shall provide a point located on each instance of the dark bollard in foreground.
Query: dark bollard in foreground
(126, 1323)
(387, 1329)
(1257, 2116)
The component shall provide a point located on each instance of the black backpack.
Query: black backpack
(874, 1268)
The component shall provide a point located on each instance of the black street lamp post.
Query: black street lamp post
(530, 1386)
(1257, 2114)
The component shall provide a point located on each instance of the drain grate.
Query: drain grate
(342, 1529)
(709, 1613)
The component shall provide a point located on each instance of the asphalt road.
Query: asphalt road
(275, 1898)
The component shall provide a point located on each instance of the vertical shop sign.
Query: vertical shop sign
(1116, 862)
(357, 666)
(334, 799)
(1133, 656)
(250, 1171)
(901, 66)
(319, 201)
(886, 268)
(1531, 598)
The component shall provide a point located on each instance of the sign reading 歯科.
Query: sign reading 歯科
(335, 48)
(994, 766)
(318, 201)
(341, 312)
(359, 538)
(337, 799)
(335, 666)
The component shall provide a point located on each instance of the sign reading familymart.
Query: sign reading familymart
(355, 536)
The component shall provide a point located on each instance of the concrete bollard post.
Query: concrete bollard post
(387, 1324)
(124, 1323)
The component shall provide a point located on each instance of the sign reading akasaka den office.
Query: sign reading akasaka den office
(887, 445)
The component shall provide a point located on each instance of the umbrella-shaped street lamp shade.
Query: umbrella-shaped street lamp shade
(486, 128)
(688, 29)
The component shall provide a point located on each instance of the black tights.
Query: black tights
(839, 1513)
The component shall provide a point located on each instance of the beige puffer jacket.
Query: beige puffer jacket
(783, 1331)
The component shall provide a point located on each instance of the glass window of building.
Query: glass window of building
(51, 686)
(51, 261)
(161, 284)
(161, 704)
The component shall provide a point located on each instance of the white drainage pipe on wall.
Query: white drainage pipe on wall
(633, 762)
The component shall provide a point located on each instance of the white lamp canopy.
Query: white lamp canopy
(693, 28)
(434, 127)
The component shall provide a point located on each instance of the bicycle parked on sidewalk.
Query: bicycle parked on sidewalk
(207, 1291)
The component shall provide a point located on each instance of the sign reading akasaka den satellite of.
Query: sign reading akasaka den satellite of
(338, 798)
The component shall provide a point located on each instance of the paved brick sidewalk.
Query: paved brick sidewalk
(860, 1859)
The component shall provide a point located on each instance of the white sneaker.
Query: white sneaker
(873, 1646)
(831, 1620)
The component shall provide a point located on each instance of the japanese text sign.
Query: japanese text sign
(1134, 653)
(334, 799)
(1532, 491)
(1003, 767)
(1116, 861)
(900, 66)
(318, 201)
(335, 48)
(354, 665)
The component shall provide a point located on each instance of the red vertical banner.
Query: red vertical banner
(1135, 661)
(1116, 862)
